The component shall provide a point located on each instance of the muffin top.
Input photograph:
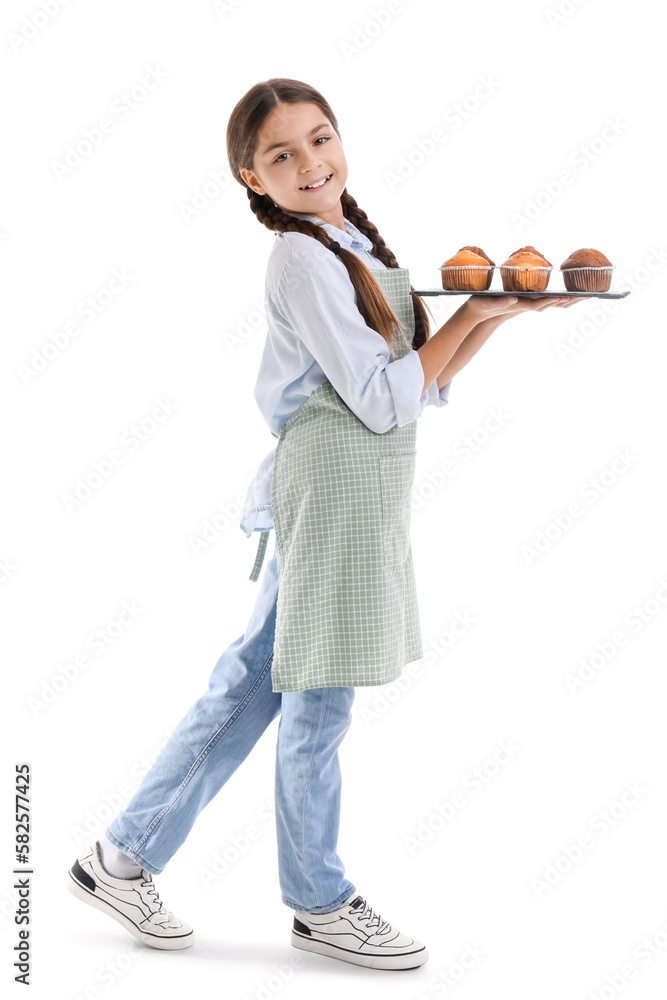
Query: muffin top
(530, 249)
(466, 258)
(481, 254)
(586, 258)
(526, 258)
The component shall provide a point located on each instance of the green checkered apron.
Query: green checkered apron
(347, 610)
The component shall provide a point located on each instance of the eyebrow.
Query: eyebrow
(287, 142)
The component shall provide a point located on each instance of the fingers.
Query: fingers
(510, 305)
(555, 301)
(533, 304)
(565, 303)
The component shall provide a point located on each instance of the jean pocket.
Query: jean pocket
(397, 472)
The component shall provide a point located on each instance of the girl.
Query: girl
(348, 365)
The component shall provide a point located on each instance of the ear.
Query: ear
(251, 180)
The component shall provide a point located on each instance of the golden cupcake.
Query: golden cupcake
(470, 270)
(587, 270)
(486, 257)
(526, 270)
(533, 250)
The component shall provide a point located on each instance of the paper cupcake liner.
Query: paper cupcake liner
(524, 279)
(467, 277)
(587, 279)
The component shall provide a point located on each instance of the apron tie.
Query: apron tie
(259, 558)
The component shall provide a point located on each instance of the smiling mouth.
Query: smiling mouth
(317, 185)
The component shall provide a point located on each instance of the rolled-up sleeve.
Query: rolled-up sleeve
(438, 397)
(317, 299)
(407, 381)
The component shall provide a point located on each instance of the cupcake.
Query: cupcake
(587, 270)
(526, 270)
(486, 257)
(533, 250)
(468, 270)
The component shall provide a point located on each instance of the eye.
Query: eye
(279, 159)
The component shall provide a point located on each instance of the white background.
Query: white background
(189, 328)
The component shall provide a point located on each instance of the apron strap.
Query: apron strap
(259, 558)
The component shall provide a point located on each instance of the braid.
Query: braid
(243, 128)
(371, 302)
(358, 217)
(273, 217)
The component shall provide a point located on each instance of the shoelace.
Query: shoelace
(362, 915)
(150, 887)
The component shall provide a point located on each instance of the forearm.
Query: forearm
(468, 348)
(440, 349)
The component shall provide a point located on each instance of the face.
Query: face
(298, 146)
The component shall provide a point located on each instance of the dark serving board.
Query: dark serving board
(535, 295)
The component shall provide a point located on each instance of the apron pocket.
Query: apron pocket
(397, 473)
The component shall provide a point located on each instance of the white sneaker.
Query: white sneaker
(354, 933)
(133, 902)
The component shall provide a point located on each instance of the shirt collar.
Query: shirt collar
(351, 239)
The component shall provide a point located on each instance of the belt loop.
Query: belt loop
(259, 558)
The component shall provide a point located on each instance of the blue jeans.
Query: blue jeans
(217, 734)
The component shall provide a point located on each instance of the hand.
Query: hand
(483, 307)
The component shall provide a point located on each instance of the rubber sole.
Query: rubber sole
(175, 943)
(387, 962)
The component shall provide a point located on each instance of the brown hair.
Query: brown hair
(244, 125)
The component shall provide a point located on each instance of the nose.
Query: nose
(315, 165)
(310, 162)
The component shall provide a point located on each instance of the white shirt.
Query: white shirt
(316, 332)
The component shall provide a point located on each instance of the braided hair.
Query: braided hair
(243, 128)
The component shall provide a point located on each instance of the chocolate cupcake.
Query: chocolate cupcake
(470, 270)
(587, 270)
